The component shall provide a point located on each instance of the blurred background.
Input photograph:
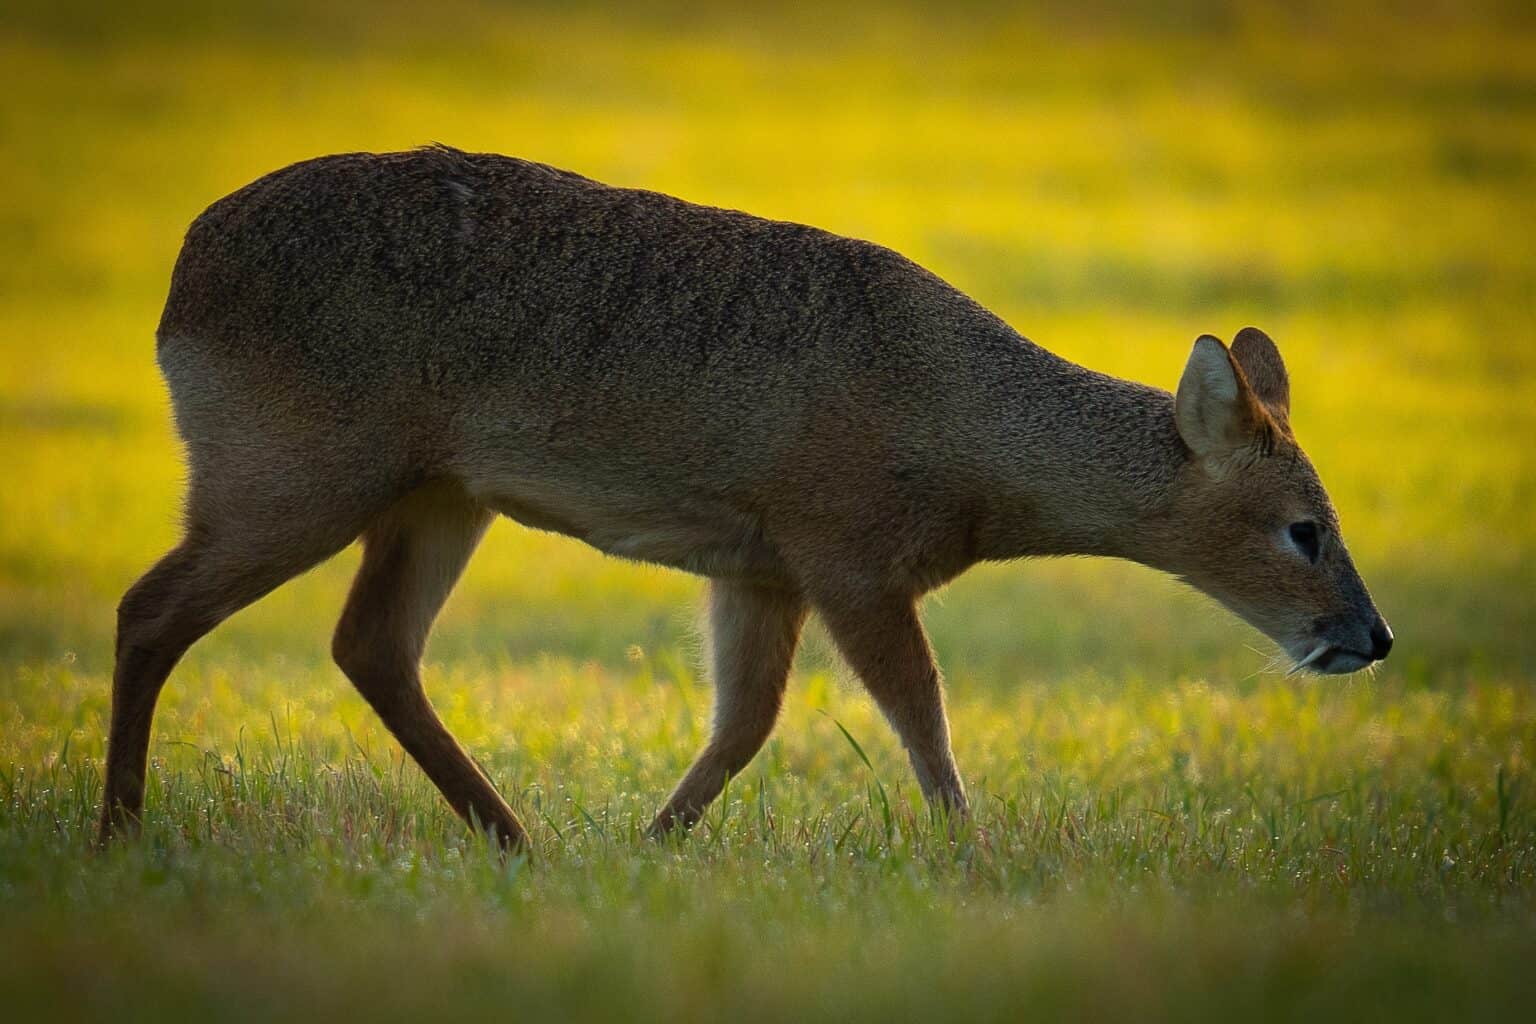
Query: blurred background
(1356, 179)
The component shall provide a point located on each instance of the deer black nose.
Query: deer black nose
(1381, 640)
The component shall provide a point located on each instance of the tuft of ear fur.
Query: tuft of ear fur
(1215, 408)
(1255, 352)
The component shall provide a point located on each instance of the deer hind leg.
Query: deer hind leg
(753, 633)
(884, 642)
(219, 567)
(412, 556)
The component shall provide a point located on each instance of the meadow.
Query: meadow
(1166, 826)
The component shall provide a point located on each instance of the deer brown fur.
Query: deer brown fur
(399, 347)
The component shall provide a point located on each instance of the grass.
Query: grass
(1162, 829)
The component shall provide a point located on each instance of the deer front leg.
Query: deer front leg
(883, 640)
(753, 633)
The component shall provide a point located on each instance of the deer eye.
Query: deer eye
(1304, 535)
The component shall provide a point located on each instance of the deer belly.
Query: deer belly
(699, 536)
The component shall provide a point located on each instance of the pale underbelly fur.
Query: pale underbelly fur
(699, 534)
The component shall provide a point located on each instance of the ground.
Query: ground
(1166, 826)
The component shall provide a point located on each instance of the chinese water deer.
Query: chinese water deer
(399, 347)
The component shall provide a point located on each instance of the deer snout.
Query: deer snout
(1381, 639)
(1344, 643)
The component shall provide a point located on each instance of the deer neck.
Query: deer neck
(1080, 463)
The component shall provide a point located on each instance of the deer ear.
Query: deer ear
(1253, 350)
(1214, 407)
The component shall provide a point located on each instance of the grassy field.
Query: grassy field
(1163, 828)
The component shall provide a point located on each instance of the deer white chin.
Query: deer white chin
(1330, 660)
